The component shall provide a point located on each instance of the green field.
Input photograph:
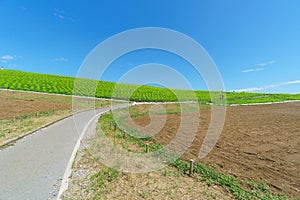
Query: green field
(18, 80)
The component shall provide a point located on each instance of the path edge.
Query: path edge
(15, 139)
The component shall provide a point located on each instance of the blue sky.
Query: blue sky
(255, 44)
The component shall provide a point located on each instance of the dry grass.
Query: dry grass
(21, 112)
(100, 182)
(11, 128)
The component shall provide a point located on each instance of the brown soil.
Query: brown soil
(260, 143)
(15, 104)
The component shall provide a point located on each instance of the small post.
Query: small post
(115, 126)
(124, 134)
(191, 167)
(147, 148)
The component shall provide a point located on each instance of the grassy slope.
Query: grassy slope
(17, 80)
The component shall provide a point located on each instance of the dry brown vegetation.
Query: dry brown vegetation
(21, 112)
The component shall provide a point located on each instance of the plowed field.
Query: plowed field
(260, 143)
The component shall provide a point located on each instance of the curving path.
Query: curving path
(34, 167)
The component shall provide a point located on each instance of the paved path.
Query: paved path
(34, 167)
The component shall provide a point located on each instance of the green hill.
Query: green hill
(18, 80)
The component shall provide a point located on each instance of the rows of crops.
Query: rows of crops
(18, 80)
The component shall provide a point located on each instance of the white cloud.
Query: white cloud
(253, 70)
(61, 59)
(268, 86)
(59, 13)
(249, 89)
(266, 63)
(292, 82)
(23, 8)
(261, 67)
(7, 57)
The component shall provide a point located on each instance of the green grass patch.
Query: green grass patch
(100, 181)
(127, 141)
(211, 176)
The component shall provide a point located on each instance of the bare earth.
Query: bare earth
(260, 143)
(14, 103)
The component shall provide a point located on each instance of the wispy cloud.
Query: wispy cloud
(291, 82)
(268, 86)
(23, 8)
(59, 13)
(6, 58)
(253, 70)
(260, 67)
(61, 59)
(266, 63)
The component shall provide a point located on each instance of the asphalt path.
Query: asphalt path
(34, 167)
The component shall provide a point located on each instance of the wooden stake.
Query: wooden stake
(115, 126)
(147, 148)
(191, 167)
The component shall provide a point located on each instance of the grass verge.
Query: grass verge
(14, 127)
(250, 190)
